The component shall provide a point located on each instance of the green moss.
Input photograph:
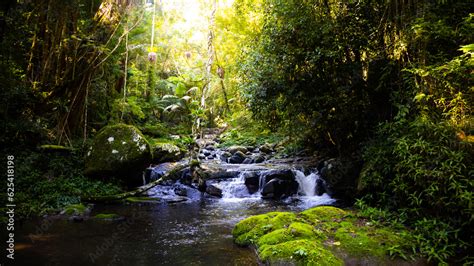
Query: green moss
(118, 149)
(142, 200)
(296, 230)
(107, 216)
(248, 231)
(311, 236)
(166, 152)
(55, 148)
(323, 214)
(75, 209)
(302, 251)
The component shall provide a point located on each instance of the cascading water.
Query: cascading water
(235, 189)
(307, 183)
(308, 186)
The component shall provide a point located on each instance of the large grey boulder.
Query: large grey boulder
(120, 151)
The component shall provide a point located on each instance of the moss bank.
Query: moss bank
(318, 236)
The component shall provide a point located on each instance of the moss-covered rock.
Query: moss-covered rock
(119, 150)
(319, 236)
(76, 210)
(166, 152)
(143, 200)
(107, 216)
(250, 230)
(299, 252)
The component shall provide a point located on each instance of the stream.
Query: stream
(196, 231)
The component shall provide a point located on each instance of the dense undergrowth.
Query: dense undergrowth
(49, 180)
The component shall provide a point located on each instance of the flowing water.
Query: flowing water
(194, 232)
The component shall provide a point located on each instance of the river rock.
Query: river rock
(237, 157)
(283, 174)
(266, 148)
(180, 191)
(225, 156)
(235, 149)
(214, 191)
(206, 152)
(252, 181)
(210, 147)
(118, 151)
(279, 189)
(166, 152)
(320, 187)
(259, 159)
(340, 176)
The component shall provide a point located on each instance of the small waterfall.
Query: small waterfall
(261, 182)
(235, 188)
(307, 183)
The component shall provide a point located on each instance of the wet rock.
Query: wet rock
(176, 199)
(237, 157)
(250, 148)
(206, 152)
(180, 191)
(201, 156)
(235, 149)
(214, 191)
(210, 147)
(166, 152)
(223, 174)
(154, 173)
(76, 218)
(247, 161)
(279, 189)
(284, 174)
(225, 156)
(76, 210)
(266, 148)
(252, 182)
(320, 187)
(118, 151)
(259, 159)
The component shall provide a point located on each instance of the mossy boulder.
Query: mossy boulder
(107, 216)
(166, 152)
(322, 235)
(118, 150)
(76, 210)
(299, 252)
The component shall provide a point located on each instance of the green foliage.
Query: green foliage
(305, 72)
(47, 182)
